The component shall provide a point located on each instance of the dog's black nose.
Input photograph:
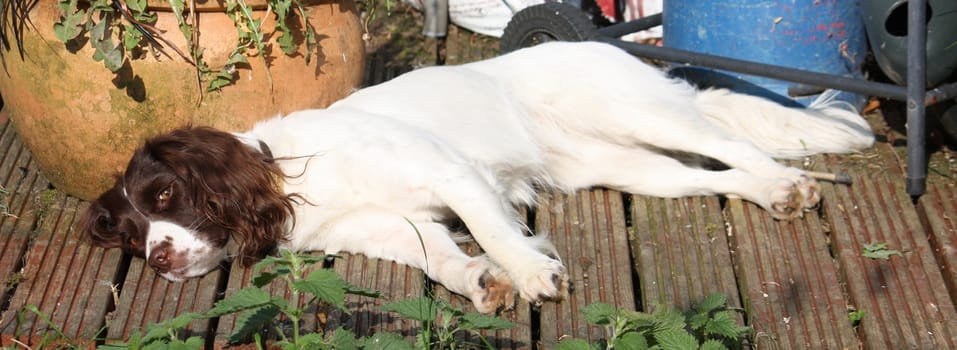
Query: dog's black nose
(159, 259)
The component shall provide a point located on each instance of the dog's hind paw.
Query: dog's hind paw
(545, 280)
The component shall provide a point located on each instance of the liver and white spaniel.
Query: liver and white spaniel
(382, 169)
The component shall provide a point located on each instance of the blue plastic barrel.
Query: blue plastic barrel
(825, 36)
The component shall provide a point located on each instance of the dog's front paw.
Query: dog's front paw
(494, 292)
(543, 280)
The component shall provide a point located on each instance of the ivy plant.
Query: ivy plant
(119, 30)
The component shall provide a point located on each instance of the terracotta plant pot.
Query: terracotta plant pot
(81, 122)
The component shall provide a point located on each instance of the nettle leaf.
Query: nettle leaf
(712, 302)
(263, 278)
(190, 344)
(252, 320)
(676, 339)
(697, 321)
(419, 309)
(576, 344)
(599, 313)
(631, 341)
(244, 299)
(475, 321)
(723, 324)
(325, 285)
(340, 339)
(712, 344)
(315, 341)
(668, 320)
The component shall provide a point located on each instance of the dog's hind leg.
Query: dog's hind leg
(645, 172)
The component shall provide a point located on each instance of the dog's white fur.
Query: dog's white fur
(384, 165)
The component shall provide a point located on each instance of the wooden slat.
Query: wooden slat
(588, 230)
(681, 251)
(19, 182)
(70, 283)
(393, 281)
(788, 281)
(147, 298)
(22, 184)
(904, 299)
(940, 211)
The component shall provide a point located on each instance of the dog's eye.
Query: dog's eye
(164, 195)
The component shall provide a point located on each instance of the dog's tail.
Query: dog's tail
(785, 132)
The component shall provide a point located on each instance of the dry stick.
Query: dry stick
(840, 178)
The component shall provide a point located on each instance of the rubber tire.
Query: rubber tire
(550, 21)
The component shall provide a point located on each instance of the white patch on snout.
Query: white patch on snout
(190, 255)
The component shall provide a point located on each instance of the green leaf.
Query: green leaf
(252, 320)
(667, 319)
(385, 341)
(712, 344)
(244, 299)
(676, 339)
(878, 251)
(131, 37)
(712, 302)
(287, 44)
(190, 344)
(419, 309)
(599, 313)
(183, 320)
(576, 344)
(856, 317)
(631, 341)
(110, 54)
(325, 285)
(474, 321)
(69, 26)
(315, 341)
(696, 321)
(723, 324)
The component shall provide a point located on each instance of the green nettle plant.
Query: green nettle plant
(119, 30)
(258, 310)
(710, 325)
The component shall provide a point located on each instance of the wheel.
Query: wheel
(551, 21)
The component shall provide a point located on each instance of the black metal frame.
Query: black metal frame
(916, 95)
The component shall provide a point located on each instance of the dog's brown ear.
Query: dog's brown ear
(99, 227)
(111, 222)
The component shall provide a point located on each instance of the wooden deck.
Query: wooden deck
(796, 281)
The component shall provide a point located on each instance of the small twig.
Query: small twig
(840, 178)
(25, 346)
